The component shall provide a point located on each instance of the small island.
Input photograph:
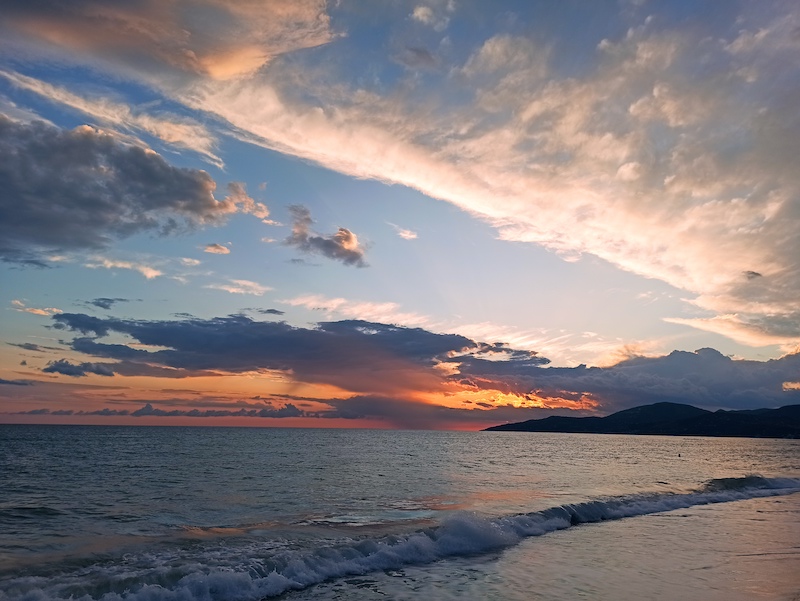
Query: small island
(673, 419)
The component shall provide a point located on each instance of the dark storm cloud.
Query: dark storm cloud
(63, 190)
(237, 343)
(270, 311)
(377, 360)
(64, 367)
(342, 246)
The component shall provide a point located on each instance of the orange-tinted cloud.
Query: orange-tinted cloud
(214, 38)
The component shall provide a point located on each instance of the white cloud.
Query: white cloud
(744, 332)
(19, 305)
(241, 287)
(369, 311)
(404, 233)
(146, 270)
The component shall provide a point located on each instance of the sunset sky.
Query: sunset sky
(429, 214)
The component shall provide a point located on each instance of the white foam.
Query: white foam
(254, 578)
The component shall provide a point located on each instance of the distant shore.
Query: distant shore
(672, 419)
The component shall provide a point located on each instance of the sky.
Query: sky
(437, 214)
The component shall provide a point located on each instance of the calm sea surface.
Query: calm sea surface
(140, 513)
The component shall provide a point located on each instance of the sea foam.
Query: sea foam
(462, 534)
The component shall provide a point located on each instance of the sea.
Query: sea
(207, 513)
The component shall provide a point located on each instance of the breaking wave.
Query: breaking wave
(264, 571)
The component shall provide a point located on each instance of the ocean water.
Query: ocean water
(148, 513)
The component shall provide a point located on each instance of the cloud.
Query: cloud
(342, 246)
(662, 169)
(629, 152)
(81, 189)
(370, 359)
(416, 58)
(19, 305)
(15, 382)
(433, 16)
(560, 346)
(146, 270)
(362, 310)
(393, 412)
(17, 113)
(217, 249)
(220, 40)
(270, 311)
(424, 416)
(354, 355)
(287, 410)
(172, 129)
(237, 193)
(241, 287)
(62, 366)
(404, 233)
(703, 378)
(29, 346)
(107, 303)
(755, 331)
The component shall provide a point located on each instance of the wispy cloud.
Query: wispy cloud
(234, 39)
(387, 312)
(172, 129)
(216, 249)
(568, 162)
(750, 333)
(241, 287)
(404, 233)
(19, 305)
(146, 270)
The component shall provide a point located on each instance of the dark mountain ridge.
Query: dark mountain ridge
(673, 419)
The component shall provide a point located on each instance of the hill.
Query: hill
(673, 419)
